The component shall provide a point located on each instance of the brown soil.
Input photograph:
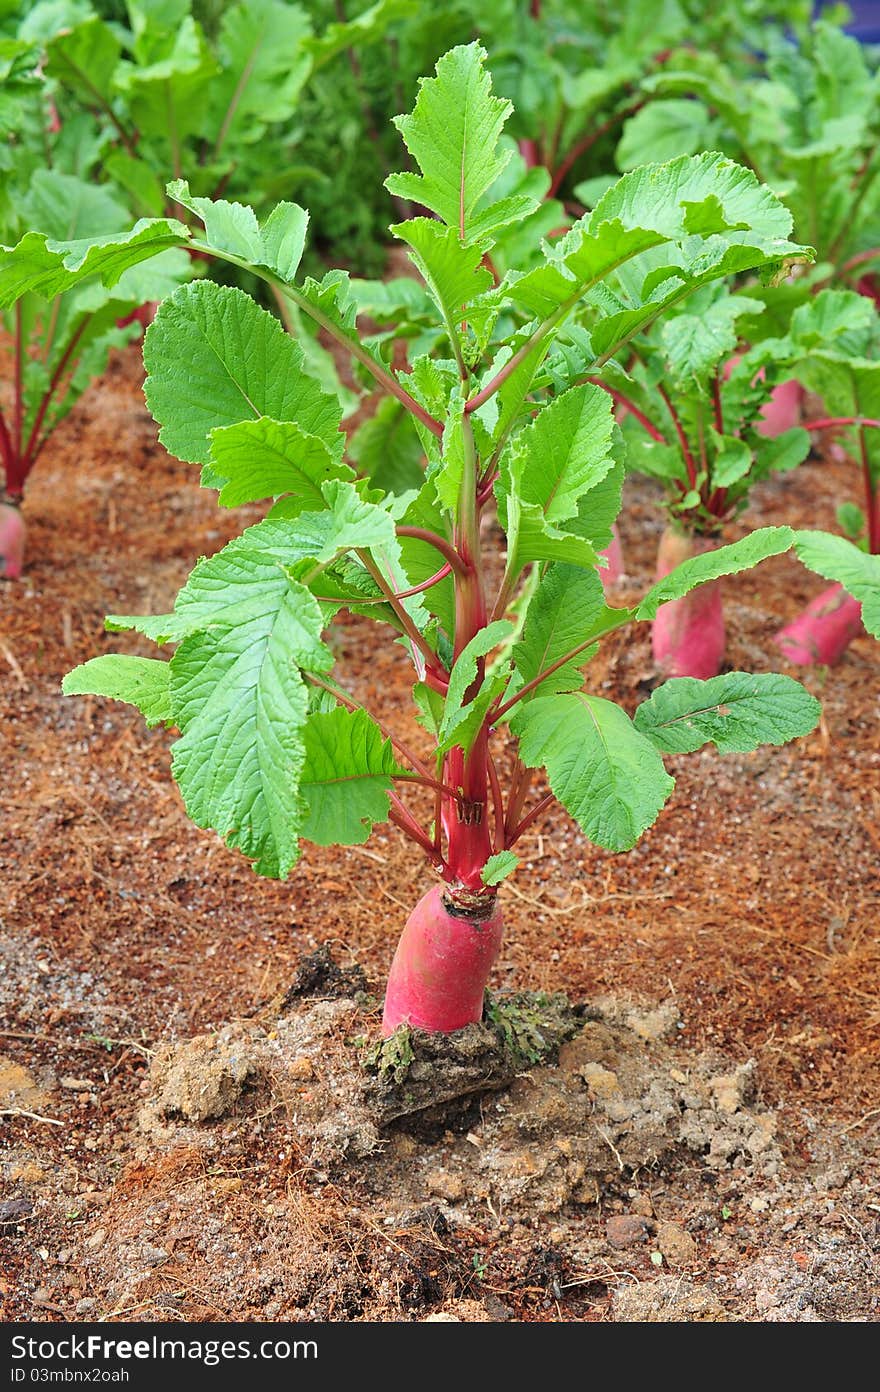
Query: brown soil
(725, 975)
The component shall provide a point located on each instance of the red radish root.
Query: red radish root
(614, 556)
(12, 534)
(687, 635)
(823, 632)
(783, 411)
(442, 964)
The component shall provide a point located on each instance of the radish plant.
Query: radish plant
(833, 348)
(807, 121)
(694, 404)
(273, 748)
(56, 344)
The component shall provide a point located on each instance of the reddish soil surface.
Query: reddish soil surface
(751, 906)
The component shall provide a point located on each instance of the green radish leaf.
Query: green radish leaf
(857, 571)
(250, 575)
(461, 722)
(598, 509)
(499, 866)
(530, 537)
(851, 518)
(166, 97)
(265, 458)
(559, 458)
(366, 28)
(726, 560)
(452, 271)
(284, 238)
(346, 777)
(387, 449)
(453, 134)
(732, 462)
(781, 452)
(241, 704)
(662, 130)
(231, 229)
(564, 452)
(48, 267)
(141, 681)
(240, 365)
(430, 708)
(563, 611)
(602, 769)
(737, 712)
(66, 208)
(696, 343)
(83, 59)
(264, 64)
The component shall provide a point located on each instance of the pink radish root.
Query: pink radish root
(687, 635)
(784, 409)
(441, 966)
(12, 535)
(614, 556)
(823, 632)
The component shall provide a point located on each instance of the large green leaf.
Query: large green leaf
(366, 28)
(264, 64)
(141, 681)
(346, 777)
(737, 712)
(83, 59)
(564, 452)
(711, 565)
(265, 458)
(605, 773)
(48, 267)
(561, 615)
(240, 703)
(240, 365)
(66, 208)
(857, 571)
(166, 98)
(453, 136)
(250, 573)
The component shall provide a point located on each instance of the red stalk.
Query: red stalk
(446, 549)
(871, 509)
(34, 444)
(621, 399)
(538, 810)
(716, 404)
(682, 438)
(588, 141)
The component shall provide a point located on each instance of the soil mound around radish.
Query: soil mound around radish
(540, 1106)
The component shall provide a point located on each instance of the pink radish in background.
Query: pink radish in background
(783, 411)
(12, 536)
(614, 556)
(825, 629)
(687, 635)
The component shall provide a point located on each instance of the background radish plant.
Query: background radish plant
(273, 749)
(695, 402)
